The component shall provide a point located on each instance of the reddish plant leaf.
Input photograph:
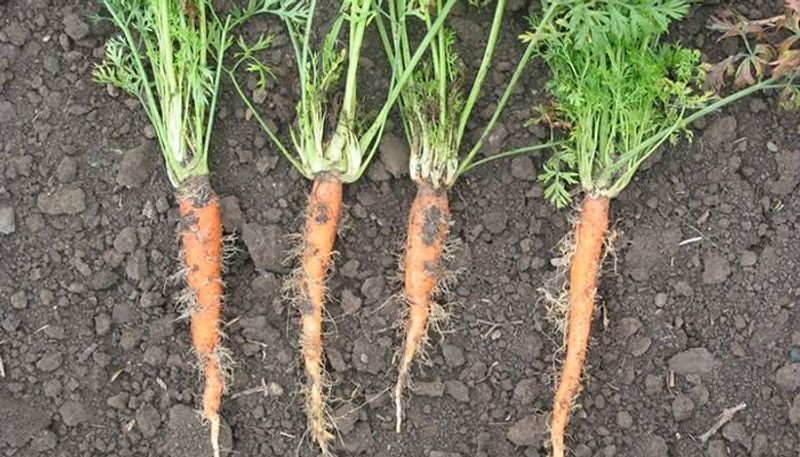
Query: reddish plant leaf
(716, 74)
(730, 23)
(791, 22)
(787, 62)
(744, 74)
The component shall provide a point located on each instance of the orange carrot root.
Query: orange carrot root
(590, 233)
(201, 235)
(427, 231)
(322, 219)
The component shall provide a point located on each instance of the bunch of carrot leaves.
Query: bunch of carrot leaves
(169, 56)
(435, 105)
(346, 145)
(622, 93)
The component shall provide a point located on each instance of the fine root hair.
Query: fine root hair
(320, 419)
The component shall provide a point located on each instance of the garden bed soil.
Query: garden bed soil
(699, 299)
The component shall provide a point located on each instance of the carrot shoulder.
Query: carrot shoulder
(590, 233)
(427, 231)
(322, 220)
(201, 236)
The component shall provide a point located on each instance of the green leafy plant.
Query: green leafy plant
(596, 23)
(622, 96)
(623, 99)
(346, 143)
(616, 100)
(169, 55)
(435, 106)
(333, 142)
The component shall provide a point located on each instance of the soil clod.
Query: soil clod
(136, 166)
(528, 431)
(788, 377)
(20, 421)
(63, 201)
(73, 413)
(692, 361)
(266, 246)
(7, 220)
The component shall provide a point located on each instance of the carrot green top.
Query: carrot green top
(323, 141)
(619, 90)
(169, 55)
(434, 106)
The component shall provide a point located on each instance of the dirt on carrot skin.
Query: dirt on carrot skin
(431, 227)
(321, 226)
(428, 226)
(202, 254)
(93, 244)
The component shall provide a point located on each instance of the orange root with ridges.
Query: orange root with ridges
(201, 236)
(427, 231)
(322, 220)
(590, 234)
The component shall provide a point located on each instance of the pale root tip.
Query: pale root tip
(398, 406)
(558, 451)
(399, 419)
(317, 423)
(214, 421)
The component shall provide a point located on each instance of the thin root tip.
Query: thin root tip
(398, 408)
(214, 420)
(558, 450)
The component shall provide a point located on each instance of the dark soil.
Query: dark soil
(700, 299)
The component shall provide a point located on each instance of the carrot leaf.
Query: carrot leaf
(332, 133)
(617, 91)
(169, 56)
(624, 95)
(437, 103)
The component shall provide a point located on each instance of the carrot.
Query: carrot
(322, 220)
(173, 66)
(635, 93)
(435, 114)
(201, 235)
(590, 233)
(330, 148)
(427, 231)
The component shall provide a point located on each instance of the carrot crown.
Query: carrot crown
(169, 56)
(343, 144)
(434, 108)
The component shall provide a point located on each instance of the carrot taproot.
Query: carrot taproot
(590, 233)
(201, 236)
(322, 220)
(331, 148)
(427, 230)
